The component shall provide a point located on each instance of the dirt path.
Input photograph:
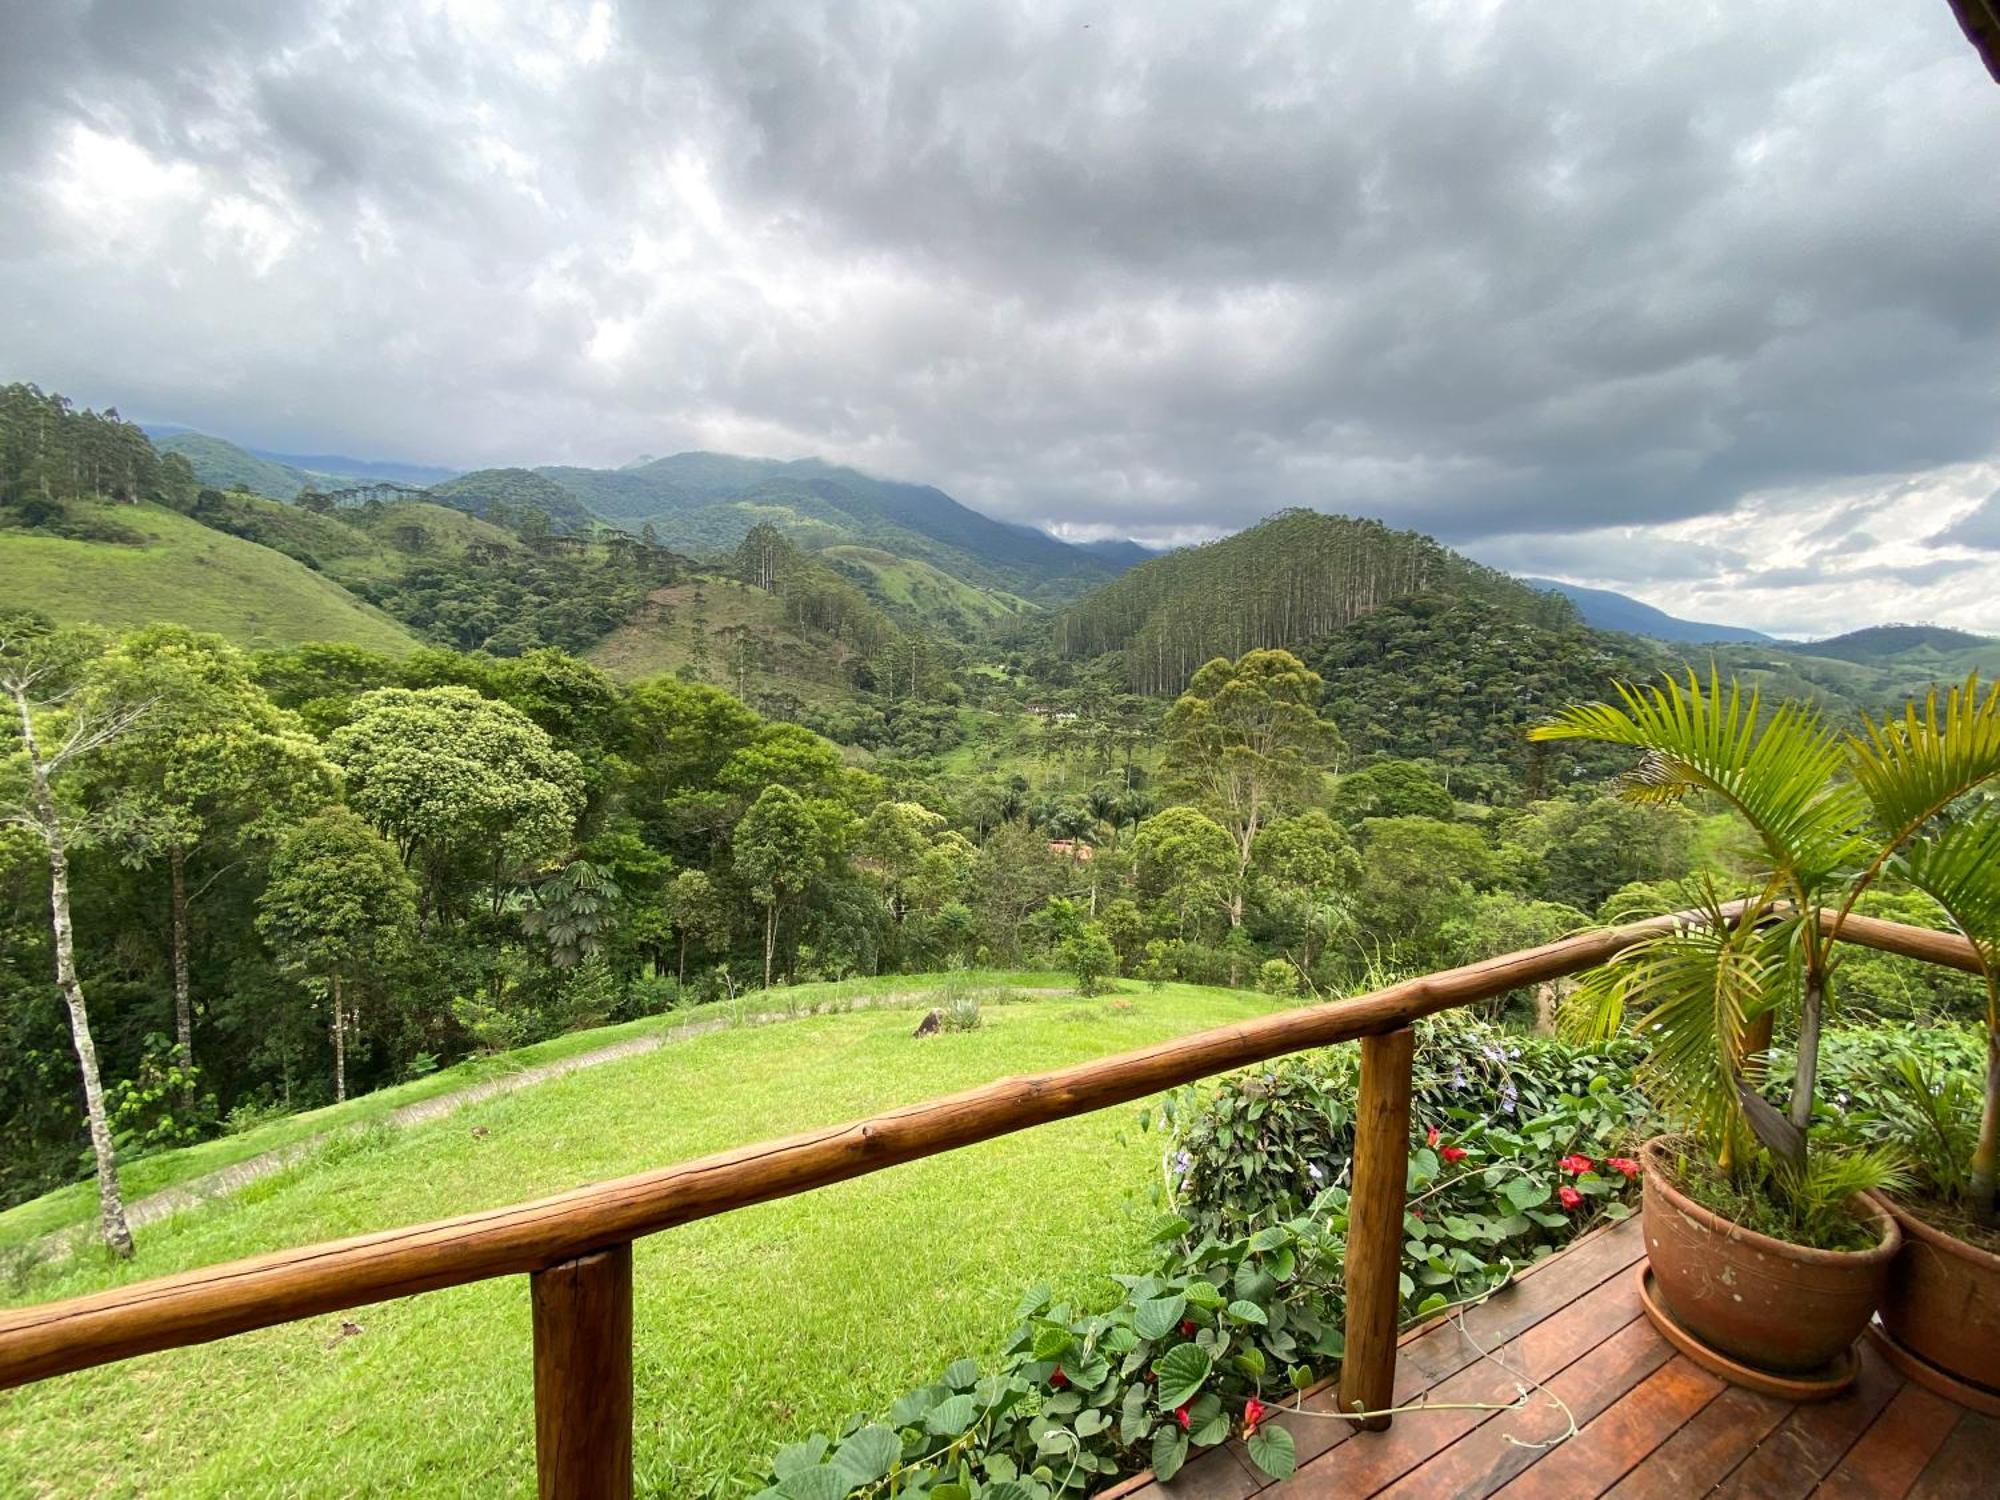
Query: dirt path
(155, 1208)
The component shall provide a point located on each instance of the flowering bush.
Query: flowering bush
(1511, 1155)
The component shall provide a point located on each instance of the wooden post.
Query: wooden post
(583, 1376)
(1375, 1225)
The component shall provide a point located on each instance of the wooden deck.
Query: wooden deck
(1651, 1424)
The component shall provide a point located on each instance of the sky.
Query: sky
(1698, 301)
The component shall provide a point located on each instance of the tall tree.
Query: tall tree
(214, 765)
(58, 729)
(780, 848)
(1246, 741)
(338, 909)
(695, 912)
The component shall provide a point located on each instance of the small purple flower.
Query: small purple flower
(1315, 1174)
(1183, 1163)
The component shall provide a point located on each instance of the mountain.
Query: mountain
(506, 495)
(1290, 581)
(223, 465)
(709, 501)
(391, 470)
(1881, 645)
(1119, 552)
(1606, 610)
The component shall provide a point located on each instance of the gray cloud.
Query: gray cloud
(1980, 528)
(1159, 270)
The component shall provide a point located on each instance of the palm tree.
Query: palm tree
(1833, 815)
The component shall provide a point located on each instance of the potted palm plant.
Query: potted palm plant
(1763, 1241)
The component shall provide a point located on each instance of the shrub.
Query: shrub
(1088, 954)
(1277, 977)
(1495, 1117)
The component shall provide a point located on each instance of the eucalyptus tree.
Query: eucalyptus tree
(57, 728)
(1246, 742)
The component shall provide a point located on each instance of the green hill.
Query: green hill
(729, 633)
(707, 502)
(1906, 645)
(914, 590)
(1288, 582)
(190, 574)
(221, 464)
(508, 495)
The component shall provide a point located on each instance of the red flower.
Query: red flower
(1057, 1380)
(1453, 1153)
(1187, 1327)
(1431, 1136)
(1624, 1166)
(1254, 1411)
(1570, 1197)
(1575, 1165)
(1181, 1415)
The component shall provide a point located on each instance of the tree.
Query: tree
(213, 765)
(780, 849)
(1246, 741)
(1087, 953)
(696, 914)
(1306, 864)
(1390, 789)
(1417, 875)
(461, 784)
(338, 909)
(1189, 860)
(38, 675)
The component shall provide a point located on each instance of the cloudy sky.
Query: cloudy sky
(1695, 300)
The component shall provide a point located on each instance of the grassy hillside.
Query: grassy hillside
(730, 634)
(915, 591)
(751, 1329)
(189, 574)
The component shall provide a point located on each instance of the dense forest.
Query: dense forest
(1289, 581)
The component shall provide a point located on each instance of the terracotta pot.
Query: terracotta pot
(1778, 1306)
(1943, 1300)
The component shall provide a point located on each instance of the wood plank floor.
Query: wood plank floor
(1649, 1424)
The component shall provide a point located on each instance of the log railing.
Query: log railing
(575, 1248)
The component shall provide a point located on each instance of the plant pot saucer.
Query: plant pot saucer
(1914, 1367)
(1810, 1385)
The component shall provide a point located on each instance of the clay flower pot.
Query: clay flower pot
(1942, 1302)
(1769, 1304)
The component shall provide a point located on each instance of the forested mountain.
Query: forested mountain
(709, 501)
(1287, 582)
(1120, 552)
(1607, 610)
(509, 495)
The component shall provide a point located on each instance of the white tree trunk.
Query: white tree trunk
(339, 1046)
(110, 1199)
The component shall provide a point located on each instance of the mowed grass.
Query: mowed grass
(190, 575)
(77, 1203)
(751, 1329)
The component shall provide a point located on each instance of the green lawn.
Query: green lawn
(191, 575)
(751, 1329)
(77, 1203)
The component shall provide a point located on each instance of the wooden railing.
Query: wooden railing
(576, 1248)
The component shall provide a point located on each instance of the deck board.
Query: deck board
(1568, 1343)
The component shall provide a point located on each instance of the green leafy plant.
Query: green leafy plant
(1832, 816)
